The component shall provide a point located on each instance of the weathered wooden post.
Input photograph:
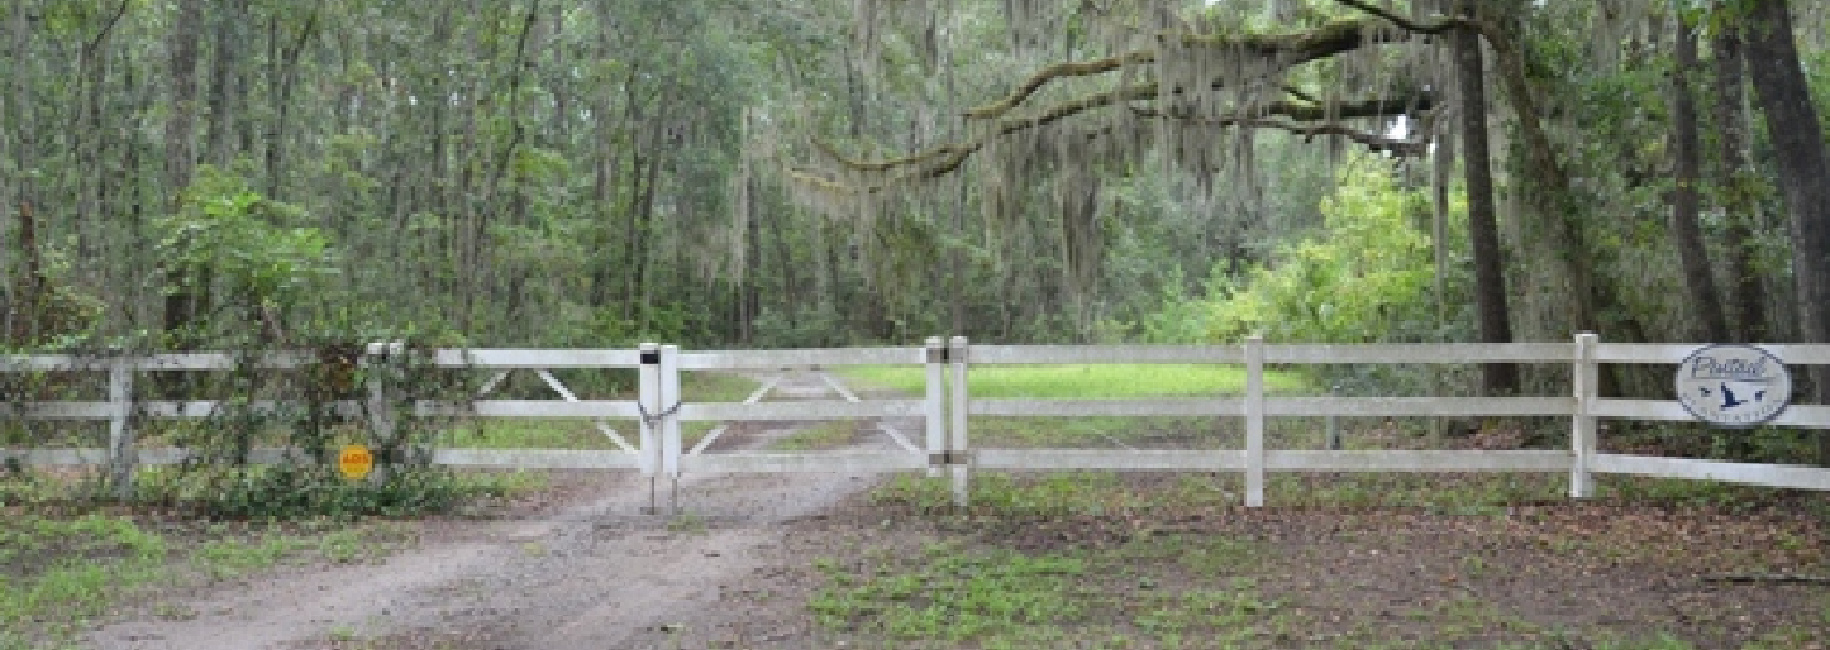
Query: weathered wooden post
(121, 455)
(383, 429)
(935, 409)
(958, 453)
(1582, 429)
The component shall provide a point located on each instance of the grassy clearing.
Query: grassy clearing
(1092, 381)
(1089, 381)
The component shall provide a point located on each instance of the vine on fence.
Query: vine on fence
(309, 401)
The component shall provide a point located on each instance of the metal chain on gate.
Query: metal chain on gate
(655, 418)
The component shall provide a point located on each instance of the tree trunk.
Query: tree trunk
(1746, 286)
(1798, 144)
(1693, 255)
(1483, 222)
(228, 18)
(181, 124)
(92, 145)
(183, 304)
(1441, 177)
(283, 74)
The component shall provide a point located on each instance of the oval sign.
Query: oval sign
(1733, 385)
(355, 461)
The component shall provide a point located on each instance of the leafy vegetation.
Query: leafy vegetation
(1364, 277)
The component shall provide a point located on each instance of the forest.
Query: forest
(595, 173)
(355, 182)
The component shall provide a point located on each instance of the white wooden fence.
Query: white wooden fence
(946, 408)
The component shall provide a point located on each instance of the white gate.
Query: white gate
(946, 407)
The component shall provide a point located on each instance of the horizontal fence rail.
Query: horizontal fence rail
(944, 410)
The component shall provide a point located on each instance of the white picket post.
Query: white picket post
(958, 451)
(648, 401)
(1254, 421)
(121, 454)
(1584, 376)
(935, 409)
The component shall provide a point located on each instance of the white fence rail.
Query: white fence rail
(946, 407)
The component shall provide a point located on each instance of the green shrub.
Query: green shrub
(303, 492)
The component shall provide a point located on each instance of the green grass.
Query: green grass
(1089, 493)
(57, 575)
(1143, 593)
(67, 560)
(1092, 381)
(715, 387)
(1089, 381)
(825, 435)
(536, 433)
(953, 596)
(1094, 492)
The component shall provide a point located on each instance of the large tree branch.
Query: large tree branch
(1294, 47)
(944, 159)
(1058, 71)
(1279, 50)
(1283, 50)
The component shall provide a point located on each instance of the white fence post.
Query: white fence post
(121, 454)
(935, 410)
(1582, 429)
(670, 422)
(958, 457)
(1254, 421)
(648, 403)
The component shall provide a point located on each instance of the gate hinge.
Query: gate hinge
(950, 457)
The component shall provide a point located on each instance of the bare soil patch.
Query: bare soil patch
(1609, 575)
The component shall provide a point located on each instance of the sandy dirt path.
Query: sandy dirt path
(599, 574)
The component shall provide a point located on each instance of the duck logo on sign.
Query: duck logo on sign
(1733, 385)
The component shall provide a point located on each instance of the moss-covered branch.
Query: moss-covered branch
(1279, 50)
(1295, 47)
(1288, 49)
(944, 159)
(1368, 139)
(1058, 71)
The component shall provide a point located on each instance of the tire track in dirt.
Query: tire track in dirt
(597, 575)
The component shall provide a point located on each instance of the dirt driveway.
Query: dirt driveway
(592, 573)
